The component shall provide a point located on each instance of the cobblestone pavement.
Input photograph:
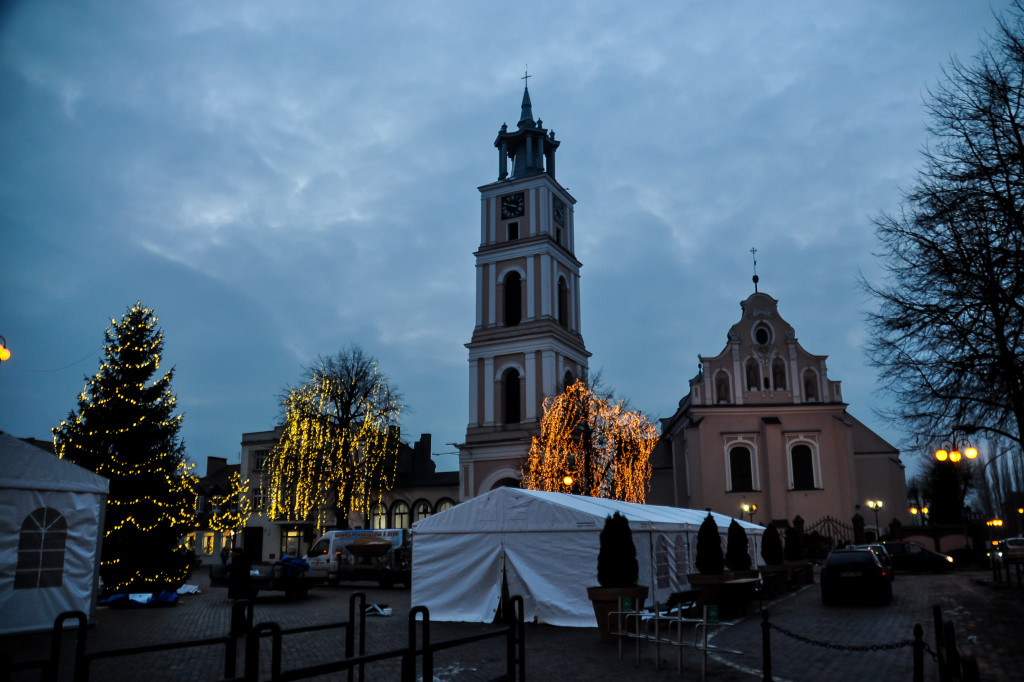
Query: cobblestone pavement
(988, 619)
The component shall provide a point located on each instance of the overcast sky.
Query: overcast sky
(281, 179)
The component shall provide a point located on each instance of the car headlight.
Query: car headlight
(949, 559)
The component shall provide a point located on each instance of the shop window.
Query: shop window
(420, 510)
(443, 505)
(378, 517)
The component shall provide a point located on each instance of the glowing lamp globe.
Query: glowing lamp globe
(971, 453)
(941, 455)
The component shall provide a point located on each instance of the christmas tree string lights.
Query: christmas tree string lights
(124, 430)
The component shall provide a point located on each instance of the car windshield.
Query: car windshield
(1015, 542)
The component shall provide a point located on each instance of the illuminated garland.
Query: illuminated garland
(591, 446)
(337, 450)
(125, 430)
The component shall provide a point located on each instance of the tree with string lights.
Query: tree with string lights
(591, 445)
(126, 430)
(233, 508)
(339, 449)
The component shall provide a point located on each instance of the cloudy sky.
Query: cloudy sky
(281, 179)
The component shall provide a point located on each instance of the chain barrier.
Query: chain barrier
(851, 647)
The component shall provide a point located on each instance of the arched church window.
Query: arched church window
(722, 387)
(420, 510)
(802, 462)
(513, 299)
(753, 375)
(510, 391)
(810, 385)
(41, 544)
(378, 517)
(400, 514)
(568, 380)
(563, 302)
(741, 469)
(779, 374)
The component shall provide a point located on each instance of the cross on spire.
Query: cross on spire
(753, 252)
(526, 76)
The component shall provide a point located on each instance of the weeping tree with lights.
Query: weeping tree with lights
(125, 430)
(233, 508)
(339, 450)
(592, 446)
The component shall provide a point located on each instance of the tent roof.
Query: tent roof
(27, 467)
(515, 509)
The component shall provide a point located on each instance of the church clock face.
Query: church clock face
(559, 212)
(512, 205)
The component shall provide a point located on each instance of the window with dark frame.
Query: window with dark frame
(740, 469)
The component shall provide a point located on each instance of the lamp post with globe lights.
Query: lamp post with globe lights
(954, 457)
(875, 505)
(749, 509)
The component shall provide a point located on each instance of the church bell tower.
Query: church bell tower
(526, 343)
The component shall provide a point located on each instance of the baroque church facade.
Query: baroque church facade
(762, 424)
(526, 342)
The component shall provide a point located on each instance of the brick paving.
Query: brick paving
(988, 619)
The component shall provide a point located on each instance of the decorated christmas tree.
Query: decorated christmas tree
(125, 429)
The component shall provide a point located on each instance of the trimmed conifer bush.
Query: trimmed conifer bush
(736, 555)
(710, 560)
(771, 546)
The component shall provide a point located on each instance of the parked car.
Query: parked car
(854, 575)
(910, 556)
(883, 556)
(1009, 550)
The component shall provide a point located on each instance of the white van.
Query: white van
(384, 556)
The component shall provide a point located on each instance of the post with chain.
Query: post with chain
(940, 648)
(918, 653)
(766, 647)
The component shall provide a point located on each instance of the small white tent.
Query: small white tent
(547, 545)
(51, 526)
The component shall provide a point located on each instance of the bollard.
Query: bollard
(766, 647)
(918, 653)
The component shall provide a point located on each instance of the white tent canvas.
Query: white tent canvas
(51, 526)
(547, 545)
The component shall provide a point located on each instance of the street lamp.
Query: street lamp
(5, 352)
(749, 509)
(875, 505)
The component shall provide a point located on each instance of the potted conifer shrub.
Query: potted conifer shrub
(617, 575)
(737, 552)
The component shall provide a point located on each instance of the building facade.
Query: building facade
(763, 424)
(526, 342)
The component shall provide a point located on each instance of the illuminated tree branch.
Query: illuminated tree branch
(592, 446)
(339, 449)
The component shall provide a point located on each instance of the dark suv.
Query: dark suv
(854, 575)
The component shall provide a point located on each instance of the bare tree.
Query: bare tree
(950, 318)
(339, 449)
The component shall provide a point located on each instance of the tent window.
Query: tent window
(44, 535)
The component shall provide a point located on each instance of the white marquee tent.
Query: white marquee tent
(51, 526)
(547, 544)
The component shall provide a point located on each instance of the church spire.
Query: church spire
(531, 148)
